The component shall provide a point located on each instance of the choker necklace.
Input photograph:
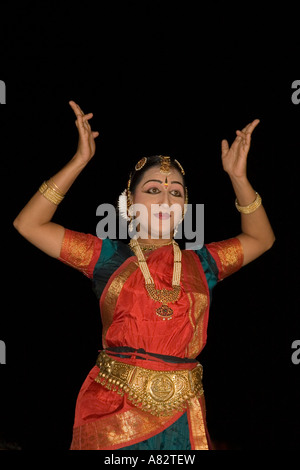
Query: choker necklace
(163, 296)
(149, 246)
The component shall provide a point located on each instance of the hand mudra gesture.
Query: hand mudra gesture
(234, 158)
(86, 142)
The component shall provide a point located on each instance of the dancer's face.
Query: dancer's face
(158, 192)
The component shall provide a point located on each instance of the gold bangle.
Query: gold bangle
(50, 193)
(43, 187)
(251, 207)
(55, 187)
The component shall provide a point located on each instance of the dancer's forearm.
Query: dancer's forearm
(39, 210)
(34, 220)
(257, 224)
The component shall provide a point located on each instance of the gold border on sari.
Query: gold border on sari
(197, 294)
(197, 425)
(111, 293)
(120, 430)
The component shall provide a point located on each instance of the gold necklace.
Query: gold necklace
(163, 296)
(149, 247)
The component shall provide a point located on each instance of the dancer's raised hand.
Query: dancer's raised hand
(234, 158)
(86, 141)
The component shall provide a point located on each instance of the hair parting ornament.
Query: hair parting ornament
(165, 165)
(125, 198)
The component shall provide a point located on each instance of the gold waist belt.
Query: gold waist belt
(158, 392)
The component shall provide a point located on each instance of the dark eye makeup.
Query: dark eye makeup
(157, 191)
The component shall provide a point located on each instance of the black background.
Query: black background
(160, 78)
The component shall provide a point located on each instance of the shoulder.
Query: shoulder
(228, 255)
(219, 259)
(203, 257)
(80, 250)
(85, 252)
(112, 252)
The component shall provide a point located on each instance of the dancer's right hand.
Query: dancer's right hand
(86, 142)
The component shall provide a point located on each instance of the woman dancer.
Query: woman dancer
(145, 391)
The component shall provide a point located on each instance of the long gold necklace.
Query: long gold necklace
(163, 296)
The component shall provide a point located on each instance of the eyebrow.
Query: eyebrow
(158, 181)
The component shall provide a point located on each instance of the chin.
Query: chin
(161, 232)
(156, 229)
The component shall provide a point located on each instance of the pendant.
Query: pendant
(165, 312)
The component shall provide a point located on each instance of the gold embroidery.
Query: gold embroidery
(119, 430)
(110, 296)
(200, 305)
(230, 253)
(197, 425)
(157, 392)
(191, 318)
(77, 250)
(198, 299)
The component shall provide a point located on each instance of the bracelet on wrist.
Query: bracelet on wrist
(251, 207)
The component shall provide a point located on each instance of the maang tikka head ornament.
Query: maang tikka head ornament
(165, 163)
(125, 199)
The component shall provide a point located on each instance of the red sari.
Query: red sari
(103, 418)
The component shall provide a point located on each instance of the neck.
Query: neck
(144, 238)
(154, 241)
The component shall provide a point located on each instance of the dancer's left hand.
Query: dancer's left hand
(234, 158)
